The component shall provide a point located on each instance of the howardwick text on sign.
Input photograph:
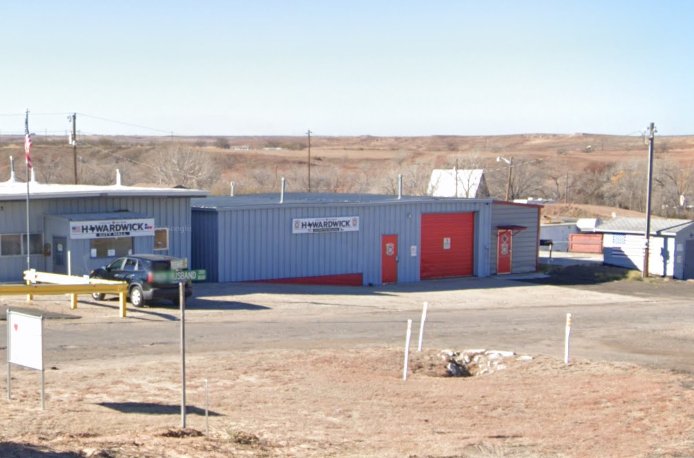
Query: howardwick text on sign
(111, 228)
(328, 224)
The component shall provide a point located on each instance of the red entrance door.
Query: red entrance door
(389, 258)
(504, 248)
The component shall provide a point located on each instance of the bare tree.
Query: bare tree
(183, 166)
(526, 180)
(672, 181)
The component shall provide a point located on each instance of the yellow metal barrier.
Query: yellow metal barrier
(67, 285)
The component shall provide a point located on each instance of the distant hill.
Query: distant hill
(582, 168)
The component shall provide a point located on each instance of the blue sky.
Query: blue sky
(347, 67)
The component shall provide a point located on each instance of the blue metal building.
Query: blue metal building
(75, 228)
(357, 239)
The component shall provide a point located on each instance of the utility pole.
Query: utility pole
(649, 185)
(566, 188)
(508, 182)
(455, 177)
(509, 162)
(29, 166)
(73, 141)
(309, 159)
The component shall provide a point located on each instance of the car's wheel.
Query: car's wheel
(136, 296)
(98, 296)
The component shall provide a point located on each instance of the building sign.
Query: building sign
(329, 224)
(112, 228)
(25, 339)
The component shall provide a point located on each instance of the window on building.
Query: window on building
(161, 238)
(35, 243)
(15, 244)
(10, 244)
(108, 248)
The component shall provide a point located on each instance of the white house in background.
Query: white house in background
(671, 248)
(458, 183)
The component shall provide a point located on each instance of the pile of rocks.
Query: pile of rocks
(467, 363)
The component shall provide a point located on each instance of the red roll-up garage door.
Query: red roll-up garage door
(448, 242)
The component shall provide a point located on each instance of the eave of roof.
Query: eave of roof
(16, 190)
(315, 199)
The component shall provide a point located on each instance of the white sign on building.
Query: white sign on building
(328, 224)
(112, 228)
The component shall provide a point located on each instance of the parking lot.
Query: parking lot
(309, 370)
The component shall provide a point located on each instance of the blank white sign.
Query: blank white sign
(25, 339)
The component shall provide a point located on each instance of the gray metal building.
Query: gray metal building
(671, 245)
(75, 228)
(523, 222)
(357, 239)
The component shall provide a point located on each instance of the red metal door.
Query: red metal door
(389, 259)
(448, 245)
(504, 249)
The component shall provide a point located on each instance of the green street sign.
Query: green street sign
(180, 275)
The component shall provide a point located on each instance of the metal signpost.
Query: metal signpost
(182, 302)
(25, 346)
(181, 276)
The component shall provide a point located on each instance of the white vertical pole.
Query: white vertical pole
(43, 372)
(567, 334)
(9, 365)
(182, 302)
(407, 348)
(282, 185)
(421, 325)
(69, 262)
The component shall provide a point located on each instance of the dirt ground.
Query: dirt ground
(347, 403)
(350, 401)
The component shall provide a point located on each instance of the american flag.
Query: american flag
(27, 150)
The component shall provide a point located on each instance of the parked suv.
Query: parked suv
(139, 270)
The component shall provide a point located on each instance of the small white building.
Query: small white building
(671, 247)
(458, 183)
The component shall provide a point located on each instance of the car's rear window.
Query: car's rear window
(159, 266)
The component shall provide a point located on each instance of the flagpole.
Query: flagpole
(27, 156)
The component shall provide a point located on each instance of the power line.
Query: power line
(129, 124)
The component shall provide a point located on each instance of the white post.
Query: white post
(43, 371)
(8, 352)
(421, 325)
(282, 185)
(567, 334)
(69, 262)
(407, 348)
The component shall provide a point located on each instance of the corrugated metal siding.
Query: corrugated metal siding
(455, 260)
(258, 244)
(171, 212)
(627, 250)
(205, 254)
(585, 243)
(525, 242)
(688, 260)
(558, 234)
